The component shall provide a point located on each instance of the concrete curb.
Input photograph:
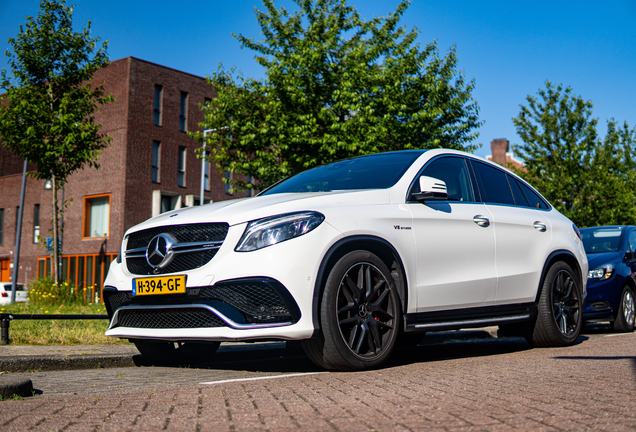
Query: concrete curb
(71, 362)
(10, 386)
(76, 359)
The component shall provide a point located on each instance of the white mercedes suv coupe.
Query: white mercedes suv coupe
(350, 257)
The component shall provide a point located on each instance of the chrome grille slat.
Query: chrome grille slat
(196, 246)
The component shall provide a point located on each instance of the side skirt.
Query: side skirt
(469, 318)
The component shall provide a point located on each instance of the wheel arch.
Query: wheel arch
(559, 255)
(376, 245)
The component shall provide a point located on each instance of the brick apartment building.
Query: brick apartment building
(149, 167)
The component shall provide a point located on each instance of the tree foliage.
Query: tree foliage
(587, 178)
(46, 114)
(335, 86)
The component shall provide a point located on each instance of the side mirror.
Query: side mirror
(431, 189)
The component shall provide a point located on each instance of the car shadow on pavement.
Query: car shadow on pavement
(289, 358)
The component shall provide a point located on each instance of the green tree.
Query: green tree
(335, 86)
(587, 178)
(46, 114)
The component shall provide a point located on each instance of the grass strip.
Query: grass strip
(58, 331)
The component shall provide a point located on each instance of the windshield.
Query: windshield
(377, 171)
(602, 239)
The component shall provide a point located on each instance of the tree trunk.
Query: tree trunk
(56, 276)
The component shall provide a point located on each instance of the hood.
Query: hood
(598, 259)
(243, 210)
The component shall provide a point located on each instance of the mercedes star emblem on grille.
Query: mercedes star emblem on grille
(159, 251)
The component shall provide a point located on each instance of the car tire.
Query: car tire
(624, 320)
(176, 353)
(559, 319)
(359, 315)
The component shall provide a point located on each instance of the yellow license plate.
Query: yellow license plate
(159, 285)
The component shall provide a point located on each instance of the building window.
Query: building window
(1, 226)
(181, 167)
(228, 186)
(183, 111)
(156, 147)
(36, 223)
(163, 201)
(206, 176)
(96, 216)
(158, 100)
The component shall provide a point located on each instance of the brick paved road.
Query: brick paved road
(490, 384)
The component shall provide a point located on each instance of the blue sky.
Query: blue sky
(509, 48)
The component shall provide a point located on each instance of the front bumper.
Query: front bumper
(264, 294)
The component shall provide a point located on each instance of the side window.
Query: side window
(533, 198)
(454, 172)
(494, 184)
(520, 199)
(632, 241)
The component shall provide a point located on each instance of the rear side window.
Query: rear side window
(520, 199)
(533, 198)
(494, 185)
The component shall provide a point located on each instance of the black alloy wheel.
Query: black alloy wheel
(566, 303)
(359, 316)
(559, 319)
(366, 310)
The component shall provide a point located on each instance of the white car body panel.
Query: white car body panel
(519, 269)
(455, 256)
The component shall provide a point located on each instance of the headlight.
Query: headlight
(601, 273)
(272, 230)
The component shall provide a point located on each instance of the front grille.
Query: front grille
(208, 232)
(211, 232)
(181, 262)
(114, 299)
(168, 318)
(257, 300)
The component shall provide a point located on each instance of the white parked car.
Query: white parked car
(21, 295)
(348, 258)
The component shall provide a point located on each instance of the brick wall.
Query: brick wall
(125, 164)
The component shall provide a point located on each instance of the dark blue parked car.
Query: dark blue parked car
(611, 280)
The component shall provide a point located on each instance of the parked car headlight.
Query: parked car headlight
(273, 230)
(601, 273)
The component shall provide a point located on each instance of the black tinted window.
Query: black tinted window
(378, 171)
(632, 241)
(494, 185)
(454, 172)
(534, 200)
(520, 199)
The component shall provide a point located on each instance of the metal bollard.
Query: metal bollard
(5, 330)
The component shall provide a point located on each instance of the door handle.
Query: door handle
(540, 226)
(482, 221)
